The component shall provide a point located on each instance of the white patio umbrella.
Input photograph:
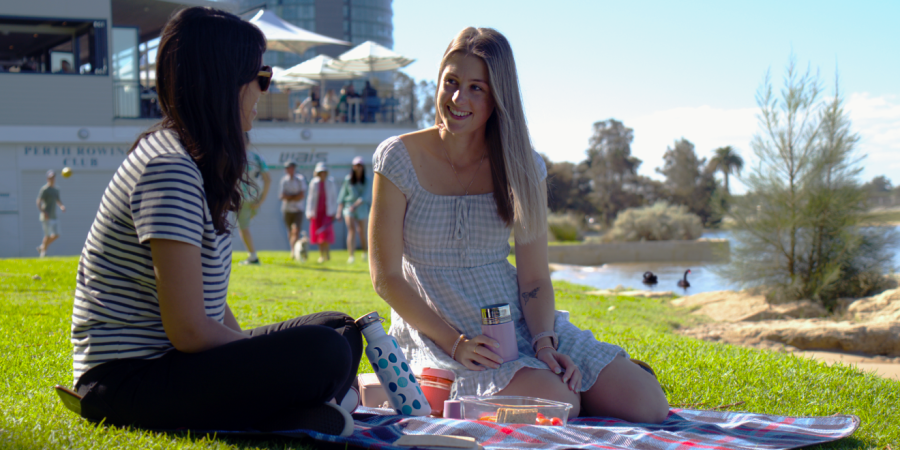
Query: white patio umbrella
(316, 69)
(370, 57)
(284, 36)
(290, 82)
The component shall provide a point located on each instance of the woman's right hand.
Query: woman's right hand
(477, 353)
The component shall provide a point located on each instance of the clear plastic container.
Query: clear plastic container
(515, 409)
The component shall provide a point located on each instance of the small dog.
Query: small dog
(300, 252)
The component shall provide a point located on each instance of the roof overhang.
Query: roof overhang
(150, 16)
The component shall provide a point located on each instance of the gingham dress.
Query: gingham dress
(455, 252)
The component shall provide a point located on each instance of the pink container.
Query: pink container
(496, 323)
(436, 385)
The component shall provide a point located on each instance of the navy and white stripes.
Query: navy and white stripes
(157, 193)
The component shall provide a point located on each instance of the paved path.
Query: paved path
(866, 363)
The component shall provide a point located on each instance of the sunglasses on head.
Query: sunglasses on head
(264, 78)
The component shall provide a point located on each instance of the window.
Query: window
(60, 46)
(125, 71)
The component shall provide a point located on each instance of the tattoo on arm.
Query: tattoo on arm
(527, 296)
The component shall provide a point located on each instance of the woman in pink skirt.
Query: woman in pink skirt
(320, 209)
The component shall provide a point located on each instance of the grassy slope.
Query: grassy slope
(35, 354)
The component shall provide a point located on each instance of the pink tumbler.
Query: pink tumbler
(496, 323)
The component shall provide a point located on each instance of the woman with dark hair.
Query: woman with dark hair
(156, 345)
(353, 203)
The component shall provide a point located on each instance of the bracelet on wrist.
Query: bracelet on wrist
(542, 347)
(455, 346)
(554, 339)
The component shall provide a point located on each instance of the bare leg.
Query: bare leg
(549, 385)
(351, 234)
(248, 240)
(293, 235)
(362, 234)
(626, 391)
(323, 251)
(49, 240)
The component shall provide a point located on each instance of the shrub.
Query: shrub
(564, 227)
(802, 227)
(660, 222)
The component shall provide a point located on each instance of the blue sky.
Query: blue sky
(675, 69)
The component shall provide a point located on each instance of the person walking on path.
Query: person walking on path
(156, 344)
(253, 198)
(47, 201)
(292, 192)
(353, 203)
(320, 209)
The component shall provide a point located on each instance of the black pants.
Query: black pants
(250, 384)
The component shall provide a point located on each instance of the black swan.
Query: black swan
(684, 282)
(649, 278)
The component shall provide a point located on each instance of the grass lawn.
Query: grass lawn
(890, 217)
(35, 354)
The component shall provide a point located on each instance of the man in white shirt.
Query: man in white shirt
(292, 193)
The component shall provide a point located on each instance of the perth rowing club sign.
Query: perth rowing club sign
(76, 156)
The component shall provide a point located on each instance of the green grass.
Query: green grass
(35, 354)
(883, 217)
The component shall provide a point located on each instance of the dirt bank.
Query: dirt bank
(864, 332)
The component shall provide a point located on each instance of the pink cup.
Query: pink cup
(496, 323)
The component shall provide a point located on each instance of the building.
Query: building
(354, 21)
(72, 96)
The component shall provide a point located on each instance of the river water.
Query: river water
(703, 276)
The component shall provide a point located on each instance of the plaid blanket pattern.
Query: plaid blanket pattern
(683, 429)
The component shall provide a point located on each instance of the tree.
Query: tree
(425, 91)
(407, 108)
(610, 171)
(565, 192)
(879, 185)
(727, 161)
(688, 180)
(415, 101)
(798, 230)
(880, 191)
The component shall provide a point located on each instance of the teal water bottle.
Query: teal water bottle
(403, 391)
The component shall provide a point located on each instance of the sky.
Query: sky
(672, 70)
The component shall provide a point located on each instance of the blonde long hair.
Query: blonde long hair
(517, 181)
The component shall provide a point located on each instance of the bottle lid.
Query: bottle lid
(452, 409)
(494, 314)
(368, 319)
(439, 373)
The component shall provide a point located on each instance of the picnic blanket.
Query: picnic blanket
(684, 428)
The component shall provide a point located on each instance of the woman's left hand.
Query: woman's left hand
(561, 364)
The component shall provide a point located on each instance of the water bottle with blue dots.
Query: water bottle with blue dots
(403, 391)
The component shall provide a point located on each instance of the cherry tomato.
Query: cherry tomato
(544, 421)
(556, 421)
(541, 416)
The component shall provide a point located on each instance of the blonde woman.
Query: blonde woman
(445, 200)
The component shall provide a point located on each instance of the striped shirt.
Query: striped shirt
(157, 193)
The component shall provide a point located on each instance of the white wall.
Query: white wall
(27, 152)
(52, 99)
(80, 9)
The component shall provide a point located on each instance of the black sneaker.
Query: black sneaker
(326, 418)
(249, 261)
